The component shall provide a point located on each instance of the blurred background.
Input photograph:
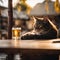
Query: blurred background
(36, 18)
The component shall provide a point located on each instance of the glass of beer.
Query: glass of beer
(16, 33)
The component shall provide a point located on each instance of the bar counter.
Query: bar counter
(30, 46)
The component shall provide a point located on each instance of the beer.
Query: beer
(16, 33)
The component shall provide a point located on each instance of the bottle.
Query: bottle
(47, 6)
(57, 6)
(23, 6)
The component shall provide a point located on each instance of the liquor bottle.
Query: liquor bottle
(47, 6)
(23, 6)
(57, 6)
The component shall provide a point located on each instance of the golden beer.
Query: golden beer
(16, 33)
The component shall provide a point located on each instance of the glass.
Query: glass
(16, 33)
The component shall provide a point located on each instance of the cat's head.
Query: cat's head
(42, 24)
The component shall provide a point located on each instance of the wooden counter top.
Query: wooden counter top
(29, 45)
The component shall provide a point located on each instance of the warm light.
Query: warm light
(15, 2)
(32, 3)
